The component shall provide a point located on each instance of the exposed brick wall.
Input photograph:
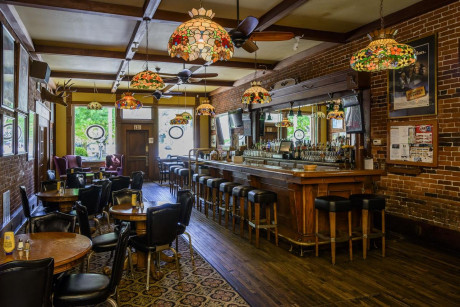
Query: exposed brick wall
(434, 195)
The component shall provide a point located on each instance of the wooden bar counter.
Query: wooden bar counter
(297, 190)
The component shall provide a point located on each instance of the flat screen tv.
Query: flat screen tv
(236, 118)
(223, 130)
(354, 116)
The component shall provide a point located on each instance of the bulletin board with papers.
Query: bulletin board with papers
(413, 143)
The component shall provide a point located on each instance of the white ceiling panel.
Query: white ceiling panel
(81, 64)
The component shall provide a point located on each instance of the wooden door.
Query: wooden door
(42, 153)
(137, 151)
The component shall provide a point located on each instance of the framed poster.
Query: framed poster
(31, 136)
(413, 143)
(213, 123)
(22, 133)
(8, 69)
(213, 140)
(412, 90)
(337, 123)
(8, 135)
(23, 80)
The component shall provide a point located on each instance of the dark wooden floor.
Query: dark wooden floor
(410, 275)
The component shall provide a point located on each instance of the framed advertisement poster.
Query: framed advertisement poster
(8, 77)
(412, 90)
(23, 79)
(413, 143)
(31, 136)
(8, 135)
(22, 133)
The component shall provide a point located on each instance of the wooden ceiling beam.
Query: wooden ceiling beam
(110, 77)
(109, 91)
(400, 16)
(83, 6)
(276, 13)
(88, 51)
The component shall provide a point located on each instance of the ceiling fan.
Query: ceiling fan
(244, 37)
(187, 76)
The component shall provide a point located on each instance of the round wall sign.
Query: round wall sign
(299, 134)
(176, 132)
(95, 132)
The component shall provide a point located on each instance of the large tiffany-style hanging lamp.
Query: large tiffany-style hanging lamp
(147, 79)
(383, 52)
(128, 101)
(201, 37)
(256, 93)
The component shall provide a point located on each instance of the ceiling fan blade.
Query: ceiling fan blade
(171, 80)
(270, 36)
(193, 80)
(167, 75)
(194, 68)
(250, 46)
(248, 25)
(167, 88)
(208, 75)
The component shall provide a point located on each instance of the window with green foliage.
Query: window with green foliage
(94, 132)
(303, 123)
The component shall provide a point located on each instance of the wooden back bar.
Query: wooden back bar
(297, 190)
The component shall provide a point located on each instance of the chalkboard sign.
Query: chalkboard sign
(246, 124)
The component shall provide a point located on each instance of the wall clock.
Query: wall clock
(95, 132)
(176, 132)
(299, 134)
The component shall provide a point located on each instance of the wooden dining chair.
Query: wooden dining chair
(26, 282)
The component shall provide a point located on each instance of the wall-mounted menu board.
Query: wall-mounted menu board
(413, 143)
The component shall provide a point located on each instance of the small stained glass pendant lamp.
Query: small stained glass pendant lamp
(94, 105)
(178, 120)
(256, 93)
(205, 108)
(285, 123)
(201, 37)
(335, 110)
(186, 115)
(128, 101)
(383, 52)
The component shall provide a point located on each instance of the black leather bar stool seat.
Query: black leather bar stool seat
(267, 199)
(214, 182)
(240, 196)
(333, 204)
(202, 196)
(172, 177)
(366, 203)
(225, 191)
(212, 199)
(178, 179)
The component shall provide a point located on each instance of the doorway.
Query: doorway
(137, 151)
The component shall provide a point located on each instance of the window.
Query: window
(143, 113)
(223, 130)
(303, 123)
(94, 132)
(174, 139)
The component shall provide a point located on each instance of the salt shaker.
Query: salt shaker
(20, 245)
(27, 245)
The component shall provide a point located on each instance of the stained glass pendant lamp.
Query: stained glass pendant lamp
(285, 123)
(256, 93)
(205, 109)
(128, 101)
(178, 120)
(186, 115)
(201, 37)
(383, 52)
(335, 110)
(94, 105)
(147, 79)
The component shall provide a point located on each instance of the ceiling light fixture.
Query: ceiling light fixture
(335, 110)
(291, 112)
(200, 37)
(299, 113)
(186, 115)
(94, 105)
(256, 93)
(128, 101)
(205, 108)
(147, 79)
(285, 123)
(383, 52)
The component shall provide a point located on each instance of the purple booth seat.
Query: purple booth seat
(74, 162)
(60, 164)
(113, 164)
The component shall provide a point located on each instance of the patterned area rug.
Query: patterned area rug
(199, 286)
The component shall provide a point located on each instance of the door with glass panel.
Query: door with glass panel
(174, 140)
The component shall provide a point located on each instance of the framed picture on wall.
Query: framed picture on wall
(23, 79)
(337, 123)
(213, 123)
(8, 135)
(8, 77)
(213, 140)
(31, 136)
(22, 133)
(412, 90)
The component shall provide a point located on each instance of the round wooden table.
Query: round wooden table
(126, 212)
(65, 200)
(67, 249)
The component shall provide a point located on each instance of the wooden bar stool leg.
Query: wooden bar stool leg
(227, 206)
(383, 233)
(213, 203)
(316, 232)
(365, 217)
(350, 242)
(219, 197)
(197, 196)
(249, 220)
(370, 223)
(233, 213)
(275, 219)
(206, 192)
(268, 221)
(257, 222)
(332, 224)
(242, 219)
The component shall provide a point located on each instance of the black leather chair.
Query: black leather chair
(102, 243)
(124, 196)
(161, 231)
(54, 222)
(119, 183)
(105, 196)
(76, 181)
(51, 174)
(137, 180)
(90, 198)
(90, 289)
(26, 282)
(185, 201)
(26, 208)
(48, 185)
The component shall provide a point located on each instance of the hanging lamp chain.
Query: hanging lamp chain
(147, 47)
(255, 65)
(205, 93)
(127, 77)
(381, 15)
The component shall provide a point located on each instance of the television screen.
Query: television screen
(236, 118)
(354, 119)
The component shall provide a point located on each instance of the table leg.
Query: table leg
(66, 207)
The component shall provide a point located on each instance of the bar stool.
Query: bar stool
(196, 188)
(333, 204)
(203, 190)
(172, 177)
(240, 195)
(370, 202)
(267, 198)
(176, 184)
(225, 190)
(184, 183)
(212, 198)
